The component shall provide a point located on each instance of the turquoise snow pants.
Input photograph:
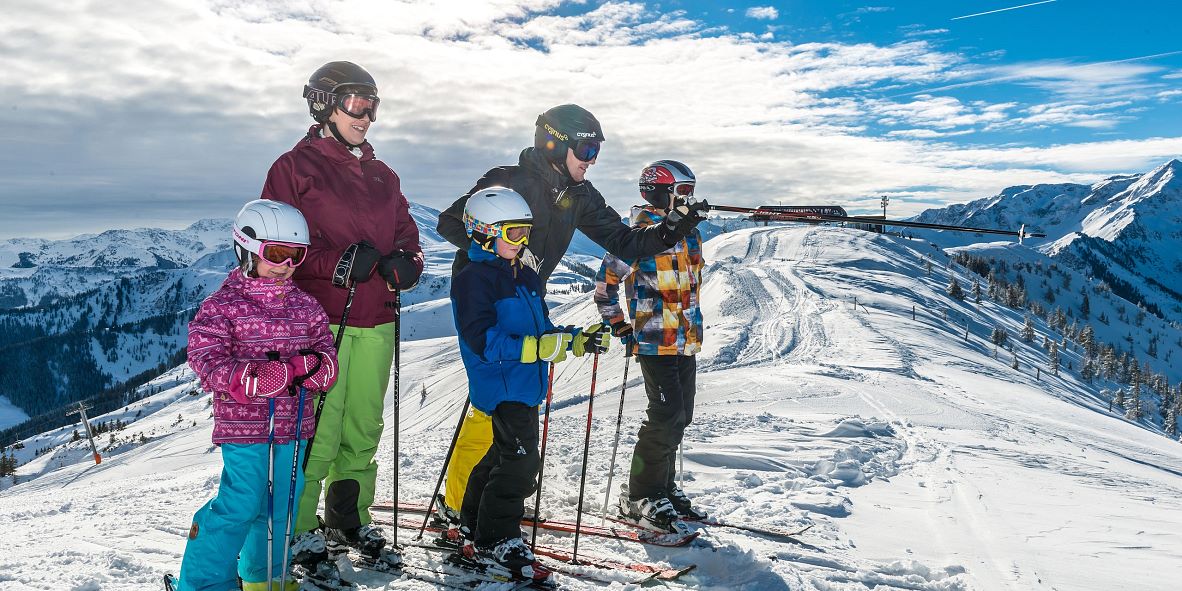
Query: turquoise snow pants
(228, 538)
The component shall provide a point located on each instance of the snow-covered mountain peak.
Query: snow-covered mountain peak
(1122, 231)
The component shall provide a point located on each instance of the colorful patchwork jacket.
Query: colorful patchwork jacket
(662, 292)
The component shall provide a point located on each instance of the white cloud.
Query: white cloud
(177, 108)
(924, 32)
(763, 12)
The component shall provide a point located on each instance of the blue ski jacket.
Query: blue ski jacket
(495, 303)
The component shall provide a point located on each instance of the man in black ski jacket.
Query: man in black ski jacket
(551, 178)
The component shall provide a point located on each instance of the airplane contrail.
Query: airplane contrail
(1003, 9)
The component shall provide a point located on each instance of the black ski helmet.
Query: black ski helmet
(663, 179)
(562, 126)
(332, 79)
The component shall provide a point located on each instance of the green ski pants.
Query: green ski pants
(341, 457)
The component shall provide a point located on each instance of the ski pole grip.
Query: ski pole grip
(299, 380)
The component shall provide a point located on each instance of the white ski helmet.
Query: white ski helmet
(264, 220)
(488, 210)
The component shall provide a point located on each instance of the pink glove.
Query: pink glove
(320, 380)
(259, 379)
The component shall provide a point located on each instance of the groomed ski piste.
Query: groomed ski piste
(920, 461)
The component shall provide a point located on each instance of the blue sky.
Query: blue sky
(158, 113)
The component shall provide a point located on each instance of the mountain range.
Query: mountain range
(105, 312)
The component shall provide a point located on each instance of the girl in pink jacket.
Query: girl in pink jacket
(261, 346)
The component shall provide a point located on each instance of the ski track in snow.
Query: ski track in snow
(920, 462)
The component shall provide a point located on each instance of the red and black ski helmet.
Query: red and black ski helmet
(663, 178)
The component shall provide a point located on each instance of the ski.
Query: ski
(649, 572)
(631, 533)
(169, 582)
(787, 535)
(455, 572)
(451, 578)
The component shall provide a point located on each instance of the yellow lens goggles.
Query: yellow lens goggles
(515, 233)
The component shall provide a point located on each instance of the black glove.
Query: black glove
(357, 264)
(621, 329)
(399, 269)
(682, 219)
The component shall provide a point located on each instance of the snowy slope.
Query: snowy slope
(921, 462)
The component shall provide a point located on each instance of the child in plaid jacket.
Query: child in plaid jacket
(665, 333)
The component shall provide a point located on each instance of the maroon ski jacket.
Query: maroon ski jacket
(345, 199)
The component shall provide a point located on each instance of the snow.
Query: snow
(10, 415)
(920, 461)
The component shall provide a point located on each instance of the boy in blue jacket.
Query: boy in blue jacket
(507, 343)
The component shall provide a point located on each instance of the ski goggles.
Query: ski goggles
(515, 233)
(586, 150)
(273, 251)
(359, 105)
(682, 189)
(283, 253)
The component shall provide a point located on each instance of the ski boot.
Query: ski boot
(320, 576)
(512, 557)
(309, 548)
(655, 513)
(369, 541)
(443, 513)
(681, 503)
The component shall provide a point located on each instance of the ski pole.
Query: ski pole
(397, 391)
(542, 462)
(446, 460)
(271, 356)
(270, 490)
(336, 344)
(616, 443)
(298, 382)
(586, 450)
(295, 461)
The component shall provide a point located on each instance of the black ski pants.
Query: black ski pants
(670, 381)
(494, 501)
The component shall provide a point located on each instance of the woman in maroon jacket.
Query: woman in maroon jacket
(359, 223)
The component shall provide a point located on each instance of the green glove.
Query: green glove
(593, 339)
(551, 346)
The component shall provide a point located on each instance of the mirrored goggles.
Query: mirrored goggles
(515, 234)
(282, 253)
(586, 150)
(359, 105)
(683, 189)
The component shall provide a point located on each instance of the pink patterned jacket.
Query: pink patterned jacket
(239, 323)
